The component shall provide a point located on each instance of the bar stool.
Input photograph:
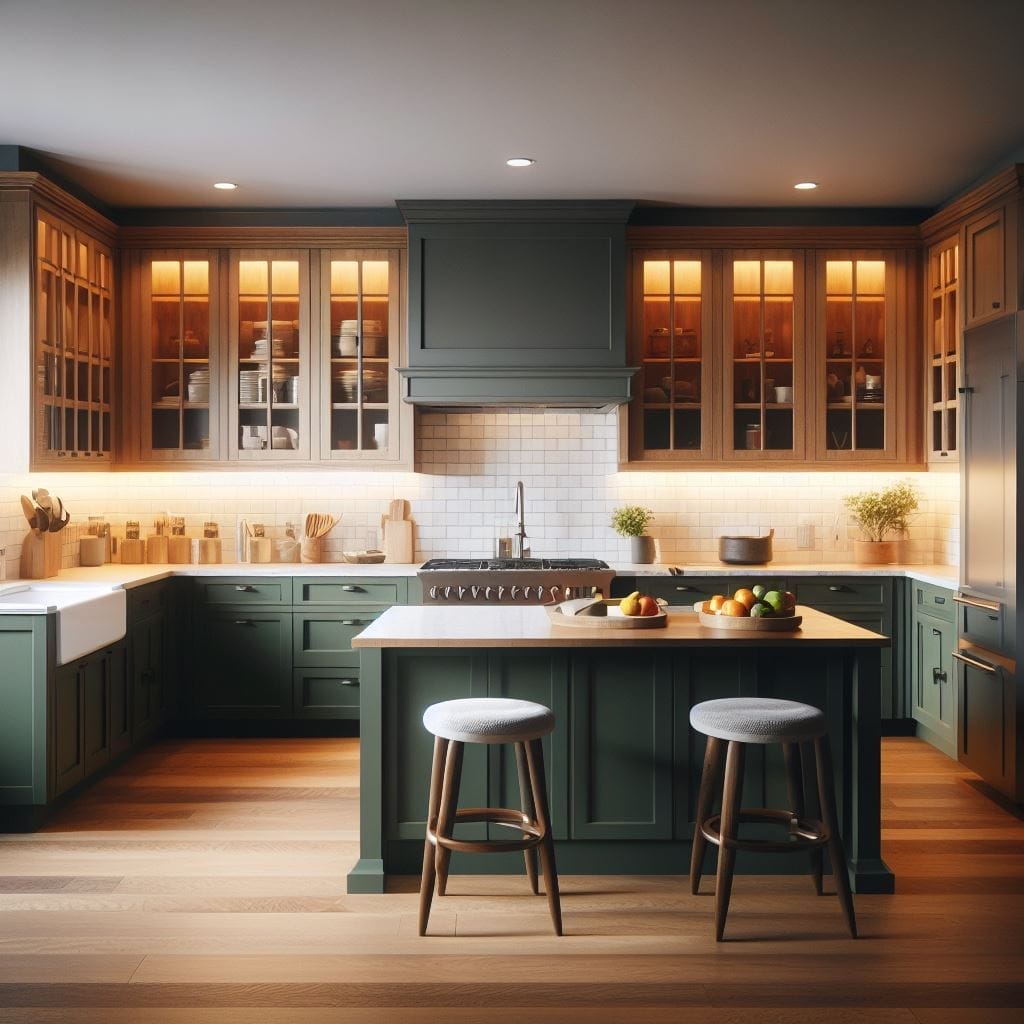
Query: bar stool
(730, 725)
(488, 720)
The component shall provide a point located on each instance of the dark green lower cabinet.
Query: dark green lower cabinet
(95, 677)
(933, 681)
(621, 785)
(243, 664)
(987, 727)
(120, 702)
(147, 668)
(68, 753)
(325, 693)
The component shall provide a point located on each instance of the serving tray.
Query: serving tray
(780, 624)
(611, 618)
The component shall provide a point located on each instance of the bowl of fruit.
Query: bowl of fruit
(751, 608)
(637, 611)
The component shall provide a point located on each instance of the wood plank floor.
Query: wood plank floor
(204, 881)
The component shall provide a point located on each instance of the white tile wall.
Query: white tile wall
(464, 490)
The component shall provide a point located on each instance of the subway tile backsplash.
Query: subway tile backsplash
(463, 492)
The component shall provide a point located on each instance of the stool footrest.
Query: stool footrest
(502, 816)
(804, 833)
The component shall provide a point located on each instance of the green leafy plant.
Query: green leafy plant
(631, 520)
(878, 513)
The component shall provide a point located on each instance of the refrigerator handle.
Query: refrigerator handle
(977, 602)
(975, 663)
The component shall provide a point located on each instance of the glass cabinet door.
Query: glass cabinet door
(359, 334)
(856, 349)
(764, 357)
(180, 375)
(674, 386)
(943, 341)
(73, 344)
(270, 352)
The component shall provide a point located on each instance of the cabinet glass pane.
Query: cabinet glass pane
(180, 354)
(672, 355)
(855, 354)
(943, 344)
(762, 357)
(359, 355)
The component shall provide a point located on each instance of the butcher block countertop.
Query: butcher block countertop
(440, 626)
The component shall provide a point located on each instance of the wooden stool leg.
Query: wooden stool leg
(734, 758)
(708, 782)
(446, 815)
(836, 853)
(526, 802)
(535, 763)
(792, 754)
(429, 872)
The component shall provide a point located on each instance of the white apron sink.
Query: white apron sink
(88, 616)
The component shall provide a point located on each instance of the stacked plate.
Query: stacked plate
(252, 386)
(375, 342)
(261, 348)
(345, 384)
(199, 386)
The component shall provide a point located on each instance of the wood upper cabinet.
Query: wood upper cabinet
(175, 345)
(985, 245)
(73, 345)
(763, 345)
(942, 349)
(676, 400)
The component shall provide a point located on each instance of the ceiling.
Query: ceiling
(347, 103)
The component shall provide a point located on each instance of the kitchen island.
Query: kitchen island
(623, 764)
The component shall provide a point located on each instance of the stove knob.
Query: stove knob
(555, 596)
(447, 593)
(515, 591)
(526, 593)
(462, 593)
(487, 593)
(475, 591)
(501, 592)
(433, 593)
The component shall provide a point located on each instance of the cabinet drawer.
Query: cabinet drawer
(145, 600)
(325, 693)
(982, 626)
(245, 591)
(931, 600)
(325, 638)
(822, 593)
(687, 590)
(317, 590)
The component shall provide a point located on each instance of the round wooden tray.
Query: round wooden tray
(787, 624)
(612, 619)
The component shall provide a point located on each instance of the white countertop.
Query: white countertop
(128, 576)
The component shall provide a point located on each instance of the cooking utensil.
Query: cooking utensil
(746, 550)
(42, 519)
(30, 511)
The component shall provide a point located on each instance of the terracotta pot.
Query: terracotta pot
(877, 552)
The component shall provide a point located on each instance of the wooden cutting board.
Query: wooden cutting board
(398, 540)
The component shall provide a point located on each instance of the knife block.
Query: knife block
(40, 556)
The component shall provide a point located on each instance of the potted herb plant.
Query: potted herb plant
(879, 514)
(631, 521)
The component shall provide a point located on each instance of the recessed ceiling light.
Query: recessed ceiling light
(520, 161)
(226, 186)
(805, 185)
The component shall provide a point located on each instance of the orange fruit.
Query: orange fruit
(715, 603)
(737, 609)
(745, 597)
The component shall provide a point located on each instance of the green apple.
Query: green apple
(761, 611)
(774, 600)
(758, 591)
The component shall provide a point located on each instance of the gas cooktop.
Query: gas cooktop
(508, 564)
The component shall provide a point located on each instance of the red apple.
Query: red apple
(788, 601)
(648, 605)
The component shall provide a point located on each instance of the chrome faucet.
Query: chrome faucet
(522, 549)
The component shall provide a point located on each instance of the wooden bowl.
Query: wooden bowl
(779, 624)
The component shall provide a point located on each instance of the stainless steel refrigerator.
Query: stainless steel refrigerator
(989, 685)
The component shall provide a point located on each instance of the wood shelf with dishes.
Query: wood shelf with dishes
(942, 336)
(73, 345)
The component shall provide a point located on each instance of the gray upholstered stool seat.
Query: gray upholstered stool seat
(489, 720)
(758, 720)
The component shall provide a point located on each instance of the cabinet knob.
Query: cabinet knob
(996, 305)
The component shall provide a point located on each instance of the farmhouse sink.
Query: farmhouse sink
(88, 616)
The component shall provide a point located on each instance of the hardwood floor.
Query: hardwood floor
(204, 881)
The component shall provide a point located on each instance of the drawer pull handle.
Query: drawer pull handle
(939, 600)
(245, 588)
(351, 622)
(838, 588)
(974, 663)
(348, 588)
(977, 602)
(348, 682)
(244, 622)
(684, 588)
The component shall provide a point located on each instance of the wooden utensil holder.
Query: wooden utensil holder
(132, 551)
(209, 551)
(156, 549)
(312, 549)
(40, 556)
(259, 549)
(179, 550)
